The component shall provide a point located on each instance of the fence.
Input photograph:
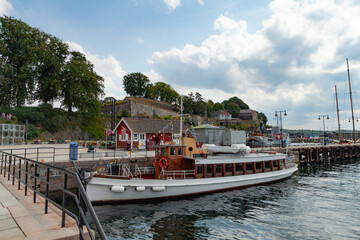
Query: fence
(47, 154)
(32, 174)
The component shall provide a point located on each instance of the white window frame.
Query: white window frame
(123, 137)
(142, 136)
(135, 137)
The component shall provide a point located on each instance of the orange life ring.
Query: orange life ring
(163, 162)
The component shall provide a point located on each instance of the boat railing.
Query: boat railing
(126, 170)
(179, 174)
(145, 170)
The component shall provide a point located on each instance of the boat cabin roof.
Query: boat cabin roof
(256, 157)
(169, 145)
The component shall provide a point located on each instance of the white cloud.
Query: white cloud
(201, 2)
(291, 62)
(139, 40)
(107, 67)
(5, 7)
(173, 4)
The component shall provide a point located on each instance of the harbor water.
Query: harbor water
(320, 202)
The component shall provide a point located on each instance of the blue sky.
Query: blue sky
(275, 55)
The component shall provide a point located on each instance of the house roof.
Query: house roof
(221, 112)
(147, 125)
(206, 126)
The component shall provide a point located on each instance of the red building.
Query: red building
(145, 133)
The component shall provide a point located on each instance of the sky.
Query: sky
(274, 55)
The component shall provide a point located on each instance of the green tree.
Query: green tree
(233, 108)
(263, 117)
(18, 48)
(164, 92)
(135, 84)
(218, 106)
(81, 87)
(51, 56)
(210, 107)
(238, 101)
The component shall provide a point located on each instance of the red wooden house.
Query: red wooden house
(145, 133)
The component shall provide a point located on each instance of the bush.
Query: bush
(33, 132)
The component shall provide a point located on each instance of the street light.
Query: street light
(323, 117)
(277, 114)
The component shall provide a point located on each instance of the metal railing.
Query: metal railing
(183, 174)
(48, 154)
(33, 174)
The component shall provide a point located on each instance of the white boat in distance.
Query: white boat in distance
(184, 170)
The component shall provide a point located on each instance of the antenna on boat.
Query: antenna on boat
(337, 109)
(352, 109)
(181, 116)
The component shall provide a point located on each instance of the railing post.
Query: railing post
(19, 174)
(5, 165)
(13, 177)
(47, 189)
(25, 153)
(37, 154)
(54, 155)
(35, 182)
(2, 162)
(64, 202)
(10, 157)
(26, 176)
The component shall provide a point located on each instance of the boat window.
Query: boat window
(172, 151)
(267, 164)
(163, 152)
(209, 168)
(275, 164)
(238, 167)
(258, 165)
(228, 167)
(218, 168)
(199, 169)
(249, 166)
(180, 151)
(281, 163)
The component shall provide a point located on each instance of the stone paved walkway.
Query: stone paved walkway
(20, 218)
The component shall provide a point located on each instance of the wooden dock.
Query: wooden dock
(325, 153)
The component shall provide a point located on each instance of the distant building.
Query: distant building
(221, 115)
(248, 114)
(208, 134)
(136, 106)
(145, 133)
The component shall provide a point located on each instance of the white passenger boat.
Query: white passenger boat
(183, 170)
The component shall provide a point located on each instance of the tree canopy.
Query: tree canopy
(35, 65)
(135, 84)
(237, 101)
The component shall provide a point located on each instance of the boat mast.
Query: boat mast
(181, 116)
(352, 109)
(337, 109)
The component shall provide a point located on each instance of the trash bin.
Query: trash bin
(73, 154)
(284, 143)
(325, 141)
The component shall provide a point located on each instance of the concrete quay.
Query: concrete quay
(20, 218)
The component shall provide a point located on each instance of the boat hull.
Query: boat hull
(101, 190)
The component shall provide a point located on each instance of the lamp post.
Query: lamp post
(323, 117)
(277, 115)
